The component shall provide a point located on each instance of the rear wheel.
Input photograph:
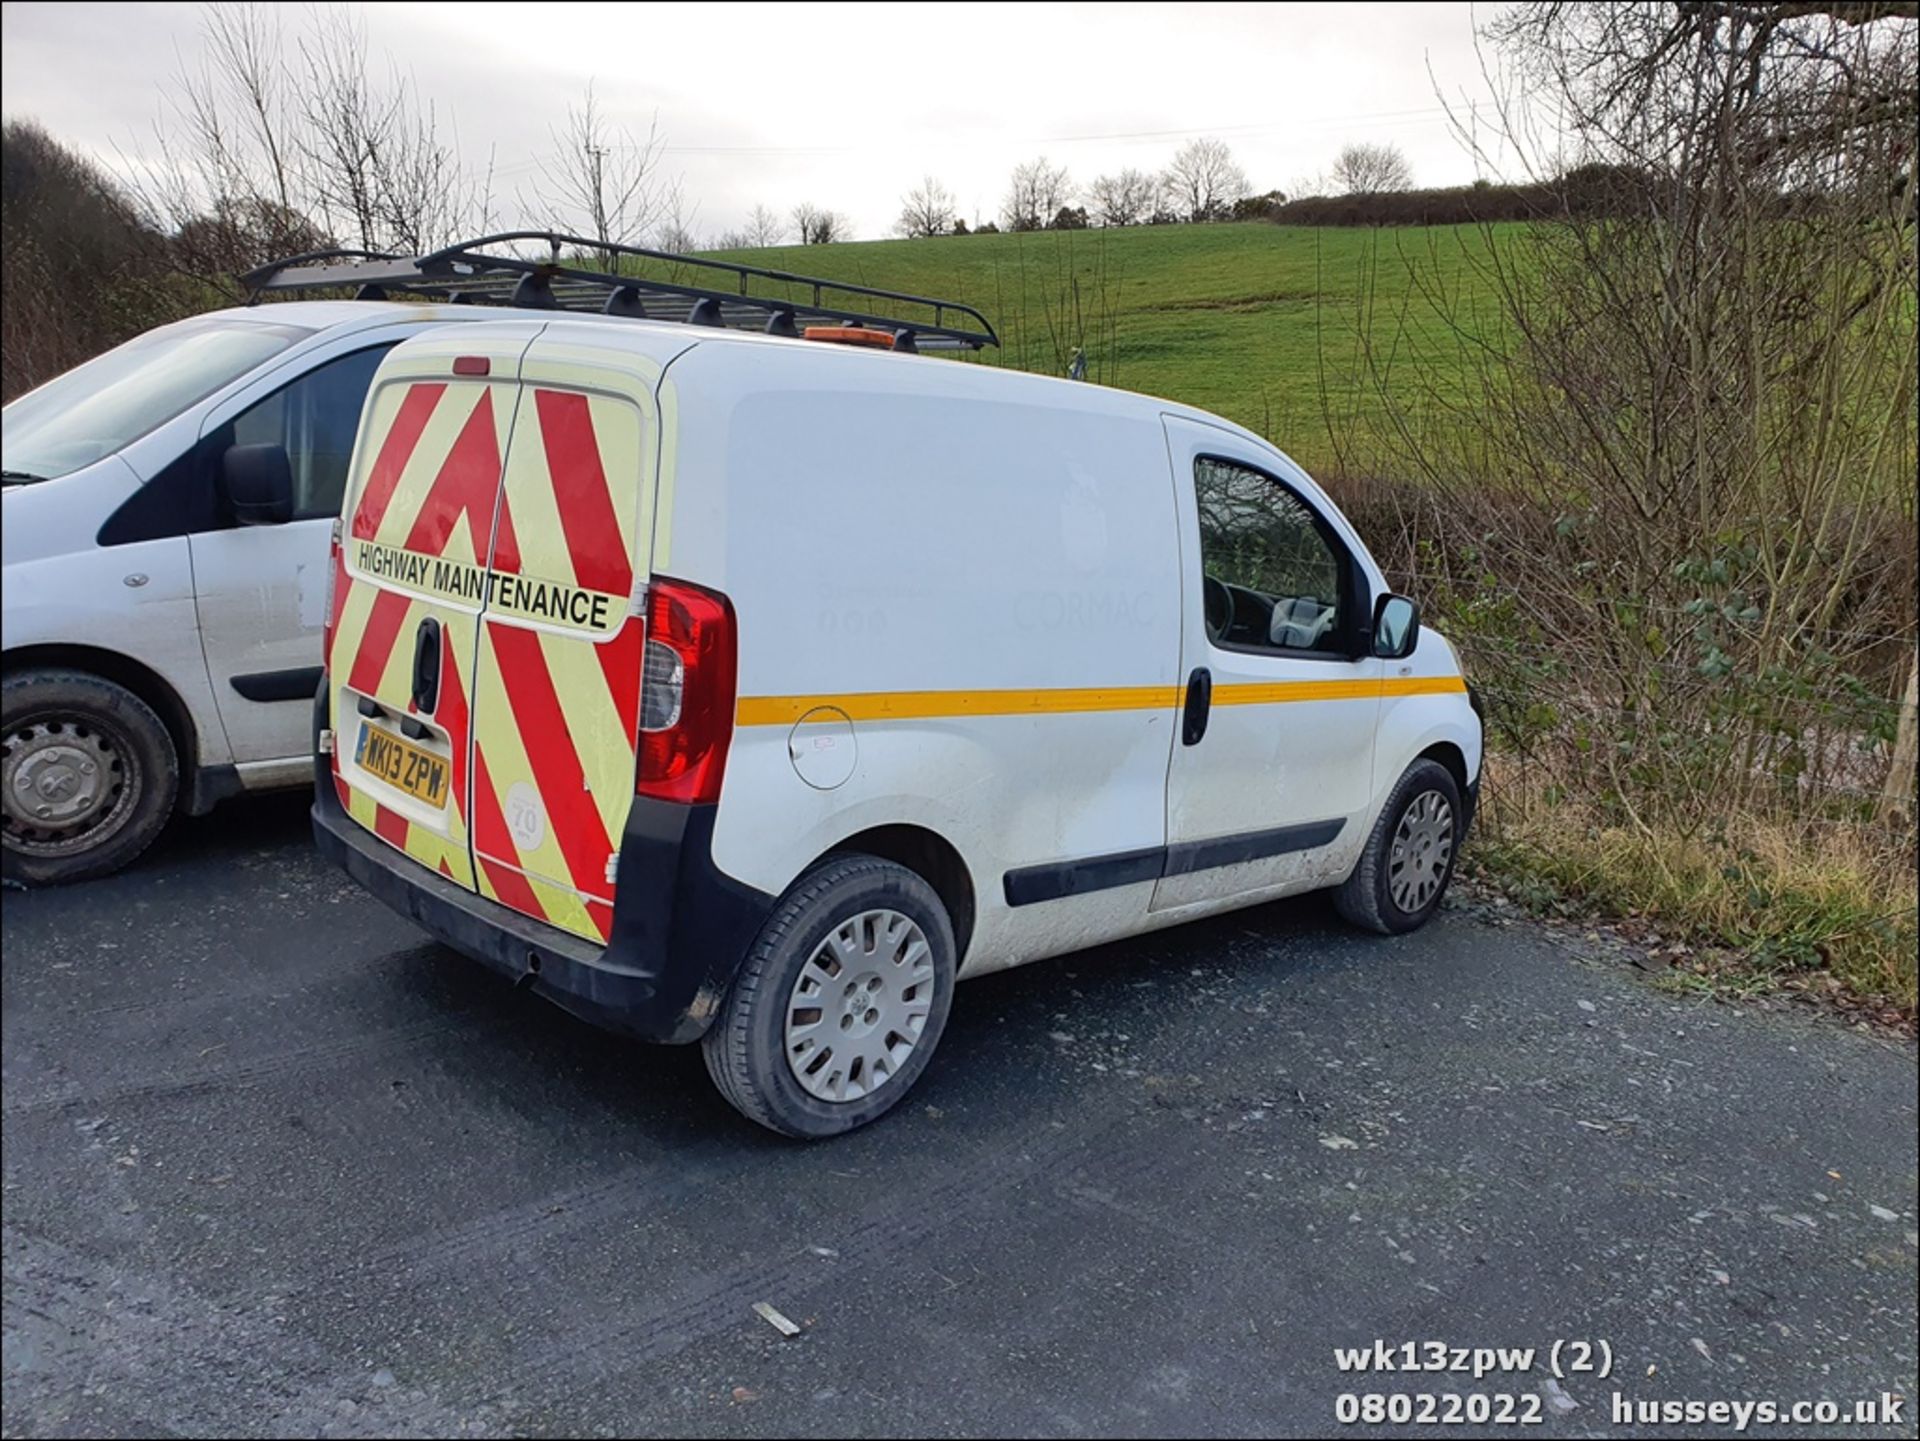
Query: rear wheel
(838, 1006)
(1408, 860)
(88, 777)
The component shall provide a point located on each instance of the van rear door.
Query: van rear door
(557, 674)
(410, 583)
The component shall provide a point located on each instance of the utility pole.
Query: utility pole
(595, 155)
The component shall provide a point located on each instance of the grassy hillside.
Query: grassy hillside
(1256, 322)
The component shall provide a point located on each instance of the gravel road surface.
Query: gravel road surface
(277, 1165)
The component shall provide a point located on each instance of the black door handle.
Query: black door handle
(426, 666)
(1199, 704)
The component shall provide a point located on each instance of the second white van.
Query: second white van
(754, 690)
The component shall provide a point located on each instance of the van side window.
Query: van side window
(1273, 577)
(315, 419)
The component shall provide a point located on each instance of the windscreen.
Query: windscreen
(95, 409)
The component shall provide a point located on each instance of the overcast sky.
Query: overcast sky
(845, 106)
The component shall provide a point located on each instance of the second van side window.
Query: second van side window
(315, 419)
(1273, 580)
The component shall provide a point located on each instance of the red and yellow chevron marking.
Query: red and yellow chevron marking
(557, 708)
(548, 706)
(433, 481)
(430, 489)
(391, 681)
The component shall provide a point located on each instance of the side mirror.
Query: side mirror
(258, 480)
(1396, 627)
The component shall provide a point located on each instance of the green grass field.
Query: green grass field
(1258, 323)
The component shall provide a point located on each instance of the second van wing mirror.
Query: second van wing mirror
(258, 481)
(1396, 627)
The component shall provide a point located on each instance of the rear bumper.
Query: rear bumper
(680, 927)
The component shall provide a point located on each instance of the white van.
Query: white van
(755, 690)
(166, 514)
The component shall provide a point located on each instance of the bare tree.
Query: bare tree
(1307, 187)
(1369, 168)
(1687, 447)
(229, 154)
(373, 152)
(1123, 199)
(766, 228)
(1202, 180)
(266, 149)
(818, 225)
(677, 218)
(1035, 194)
(926, 210)
(347, 128)
(244, 42)
(603, 178)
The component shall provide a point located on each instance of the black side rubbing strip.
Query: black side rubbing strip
(264, 685)
(1125, 868)
(1073, 878)
(1192, 856)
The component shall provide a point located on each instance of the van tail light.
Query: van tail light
(686, 693)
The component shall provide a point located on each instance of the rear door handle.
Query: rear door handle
(426, 666)
(1199, 705)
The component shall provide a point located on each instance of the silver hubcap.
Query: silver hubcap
(859, 1006)
(1422, 851)
(66, 785)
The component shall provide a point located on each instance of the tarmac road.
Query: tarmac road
(276, 1165)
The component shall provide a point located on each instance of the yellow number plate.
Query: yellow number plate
(403, 765)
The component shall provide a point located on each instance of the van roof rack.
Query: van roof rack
(659, 285)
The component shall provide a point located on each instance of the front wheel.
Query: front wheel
(838, 1006)
(1408, 860)
(89, 776)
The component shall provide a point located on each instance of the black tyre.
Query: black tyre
(88, 780)
(839, 1004)
(1408, 860)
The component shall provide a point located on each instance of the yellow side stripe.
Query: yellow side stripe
(761, 710)
(1424, 685)
(1287, 691)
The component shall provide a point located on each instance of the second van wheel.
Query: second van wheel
(88, 777)
(838, 1006)
(1403, 872)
